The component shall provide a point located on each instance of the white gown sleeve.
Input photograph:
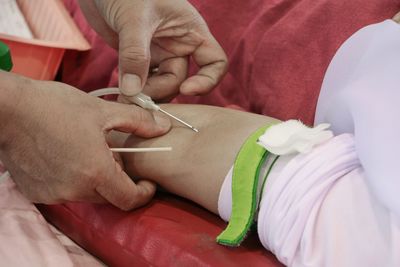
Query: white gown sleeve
(361, 95)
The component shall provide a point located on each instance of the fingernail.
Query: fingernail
(162, 121)
(131, 84)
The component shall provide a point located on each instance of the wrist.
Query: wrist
(11, 87)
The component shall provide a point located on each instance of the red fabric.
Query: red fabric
(168, 232)
(93, 69)
(279, 51)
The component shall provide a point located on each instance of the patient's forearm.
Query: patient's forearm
(198, 163)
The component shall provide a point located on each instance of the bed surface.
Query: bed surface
(169, 232)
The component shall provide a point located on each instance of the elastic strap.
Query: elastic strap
(246, 171)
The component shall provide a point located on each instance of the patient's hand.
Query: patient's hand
(199, 162)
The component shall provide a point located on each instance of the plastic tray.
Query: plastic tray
(54, 31)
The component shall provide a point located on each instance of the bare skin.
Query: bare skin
(199, 162)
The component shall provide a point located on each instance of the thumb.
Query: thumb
(134, 57)
(131, 21)
(135, 120)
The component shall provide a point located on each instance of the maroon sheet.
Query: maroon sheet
(279, 51)
(168, 232)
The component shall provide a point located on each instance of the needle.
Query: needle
(177, 119)
(146, 102)
(142, 149)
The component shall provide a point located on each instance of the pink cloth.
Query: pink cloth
(26, 239)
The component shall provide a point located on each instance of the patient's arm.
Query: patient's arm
(199, 162)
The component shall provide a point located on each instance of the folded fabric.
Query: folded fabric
(316, 210)
(360, 95)
(26, 239)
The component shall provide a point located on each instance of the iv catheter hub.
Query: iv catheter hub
(143, 101)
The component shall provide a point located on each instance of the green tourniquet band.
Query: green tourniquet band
(5, 57)
(245, 177)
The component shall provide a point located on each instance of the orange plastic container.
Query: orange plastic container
(53, 30)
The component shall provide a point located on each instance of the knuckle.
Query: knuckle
(112, 10)
(109, 116)
(223, 65)
(142, 119)
(134, 56)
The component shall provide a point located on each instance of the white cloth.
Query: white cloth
(361, 95)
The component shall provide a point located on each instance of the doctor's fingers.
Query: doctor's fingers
(119, 189)
(166, 78)
(213, 65)
(133, 119)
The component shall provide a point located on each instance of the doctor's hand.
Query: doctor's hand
(158, 37)
(53, 143)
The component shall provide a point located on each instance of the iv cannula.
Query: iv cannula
(143, 101)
